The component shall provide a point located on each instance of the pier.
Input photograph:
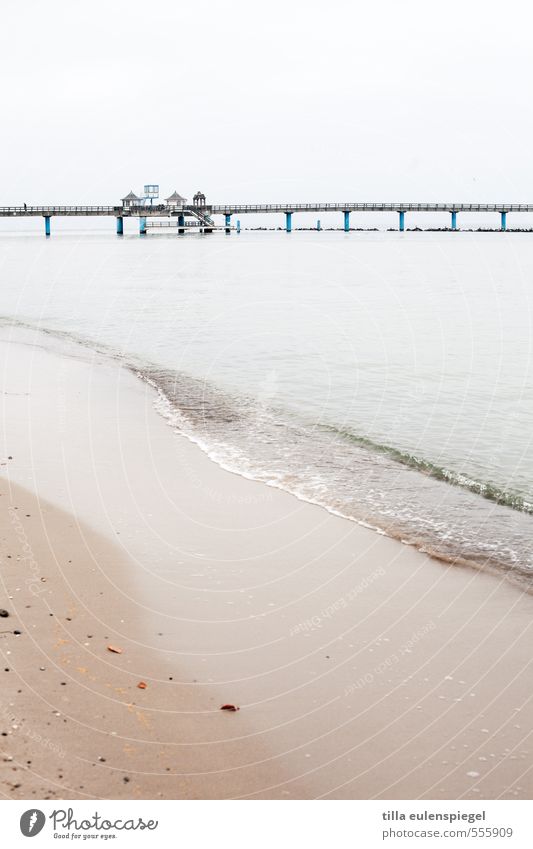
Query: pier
(176, 213)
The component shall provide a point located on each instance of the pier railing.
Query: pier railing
(229, 209)
(348, 206)
(59, 210)
(118, 211)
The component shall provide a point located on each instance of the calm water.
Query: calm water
(385, 376)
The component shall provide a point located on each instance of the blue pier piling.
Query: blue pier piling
(402, 221)
(346, 221)
(454, 220)
(288, 222)
(238, 226)
(120, 226)
(318, 225)
(46, 225)
(142, 226)
(228, 224)
(504, 220)
(181, 223)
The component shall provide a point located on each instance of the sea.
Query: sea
(384, 376)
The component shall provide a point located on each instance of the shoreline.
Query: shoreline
(85, 348)
(362, 668)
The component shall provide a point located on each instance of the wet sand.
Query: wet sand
(361, 667)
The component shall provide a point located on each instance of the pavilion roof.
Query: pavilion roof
(176, 197)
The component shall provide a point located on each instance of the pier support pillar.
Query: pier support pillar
(318, 225)
(454, 220)
(238, 226)
(288, 222)
(346, 221)
(46, 225)
(228, 224)
(142, 226)
(504, 220)
(120, 226)
(402, 221)
(181, 223)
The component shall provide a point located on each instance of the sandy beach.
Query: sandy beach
(361, 667)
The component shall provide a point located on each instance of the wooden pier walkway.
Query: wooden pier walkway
(202, 216)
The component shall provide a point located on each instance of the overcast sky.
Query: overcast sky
(274, 101)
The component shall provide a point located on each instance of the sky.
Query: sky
(267, 102)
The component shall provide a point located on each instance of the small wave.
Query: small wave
(485, 489)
